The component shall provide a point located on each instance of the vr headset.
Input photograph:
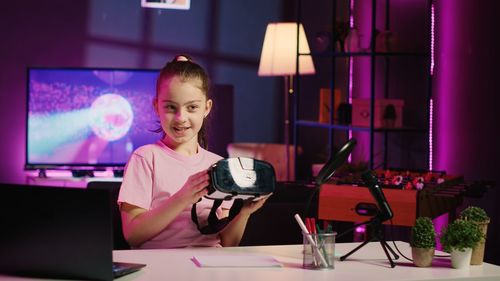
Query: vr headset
(235, 179)
(240, 178)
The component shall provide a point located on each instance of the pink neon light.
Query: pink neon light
(432, 38)
(431, 102)
(351, 16)
(431, 121)
(360, 229)
(351, 64)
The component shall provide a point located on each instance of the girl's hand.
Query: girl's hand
(194, 188)
(252, 205)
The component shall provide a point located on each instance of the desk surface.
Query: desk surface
(367, 264)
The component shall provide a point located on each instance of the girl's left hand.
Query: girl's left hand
(252, 205)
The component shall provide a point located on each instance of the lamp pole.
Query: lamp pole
(288, 91)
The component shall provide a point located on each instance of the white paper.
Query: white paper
(235, 261)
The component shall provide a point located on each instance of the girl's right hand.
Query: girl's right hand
(194, 188)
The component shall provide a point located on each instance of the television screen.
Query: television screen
(88, 117)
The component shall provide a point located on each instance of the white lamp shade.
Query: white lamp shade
(279, 51)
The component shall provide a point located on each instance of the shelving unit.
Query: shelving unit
(382, 65)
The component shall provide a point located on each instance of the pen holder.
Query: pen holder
(321, 253)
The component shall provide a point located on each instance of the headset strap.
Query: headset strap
(215, 224)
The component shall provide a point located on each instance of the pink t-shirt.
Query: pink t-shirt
(155, 172)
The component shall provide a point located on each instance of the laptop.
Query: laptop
(56, 232)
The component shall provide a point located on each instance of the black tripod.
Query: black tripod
(376, 234)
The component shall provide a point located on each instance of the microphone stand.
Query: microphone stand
(377, 234)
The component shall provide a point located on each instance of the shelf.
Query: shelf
(367, 54)
(316, 124)
(372, 74)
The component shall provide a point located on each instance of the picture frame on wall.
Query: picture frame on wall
(167, 4)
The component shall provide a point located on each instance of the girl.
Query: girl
(163, 180)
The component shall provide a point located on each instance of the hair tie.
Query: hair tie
(182, 58)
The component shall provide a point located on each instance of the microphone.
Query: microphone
(385, 212)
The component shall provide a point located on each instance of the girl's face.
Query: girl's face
(181, 107)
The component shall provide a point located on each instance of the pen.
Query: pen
(308, 225)
(312, 230)
(316, 251)
(313, 226)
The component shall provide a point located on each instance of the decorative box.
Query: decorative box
(388, 113)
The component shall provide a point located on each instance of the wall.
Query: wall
(224, 36)
(466, 92)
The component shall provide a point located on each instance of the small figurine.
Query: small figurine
(418, 183)
(397, 180)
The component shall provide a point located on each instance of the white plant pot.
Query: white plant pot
(461, 259)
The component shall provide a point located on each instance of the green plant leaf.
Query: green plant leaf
(423, 234)
(460, 234)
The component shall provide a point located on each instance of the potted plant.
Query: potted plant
(478, 216)
(458, 239)
(423, 242)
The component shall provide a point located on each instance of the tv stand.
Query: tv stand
(76, 178)
(42, 173)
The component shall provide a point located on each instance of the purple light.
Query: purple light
(362, 89)
(360, 229)
(431, 102)
(351, 16)
(351, 64)
(431, 120)
(432, 38)
(446, 80)
(439, 224)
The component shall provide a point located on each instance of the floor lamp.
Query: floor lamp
(278, 58)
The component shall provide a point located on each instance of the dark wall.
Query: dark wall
(32, 33)
(224, 36)
(466, 90)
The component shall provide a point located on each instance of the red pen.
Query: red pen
(313, 226)
(308, 225)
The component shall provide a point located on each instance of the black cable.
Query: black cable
(397, 249)
(394, 243)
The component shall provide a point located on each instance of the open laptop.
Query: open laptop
(57, 232)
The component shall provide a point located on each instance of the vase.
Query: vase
(422, 257)
(478, 251)
(461, 259)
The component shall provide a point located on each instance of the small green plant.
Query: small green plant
(423, 234)
(460, 234)
(474, 214)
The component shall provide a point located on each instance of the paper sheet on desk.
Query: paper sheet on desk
(235, 261)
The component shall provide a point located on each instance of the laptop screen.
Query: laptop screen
(55, 232)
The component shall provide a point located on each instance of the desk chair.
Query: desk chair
(274, 223)
(119, 242)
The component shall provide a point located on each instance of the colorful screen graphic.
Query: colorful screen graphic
(88, 117)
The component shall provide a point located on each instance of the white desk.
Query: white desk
(367, 264)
